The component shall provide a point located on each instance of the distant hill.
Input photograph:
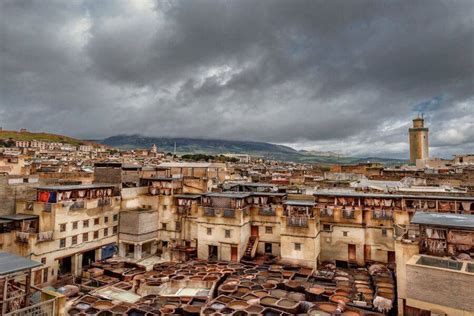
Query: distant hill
(47, 137)
(217, 146)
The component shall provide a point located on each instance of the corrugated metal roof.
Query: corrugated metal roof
(386, 195)
(18, 217)
(444, 219)
(10, 263)
(74, 187)
(299, 202)
(233, 195)
(187, 196)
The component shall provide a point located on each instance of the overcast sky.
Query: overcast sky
(345, 76)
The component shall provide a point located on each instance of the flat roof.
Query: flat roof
(10, 263)
(5, 221)
(299, 202)
(234, 195)
(281, 194)
(444, 219)
(251, 184)
(18, 217)
(74, 187)
(191, 165)
(187, 196)
(396, 196)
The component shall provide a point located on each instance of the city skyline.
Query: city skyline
(328, 76)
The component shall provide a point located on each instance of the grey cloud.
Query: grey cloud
(335, 75)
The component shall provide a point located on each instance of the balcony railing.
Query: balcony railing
(22, 236)
(229, 213)
(209, 211)
(44, 236)
(348, 214)
(266, 211)
(104, 202)
(77, 205)
(297, 221)
(382, 214)
(326, 212)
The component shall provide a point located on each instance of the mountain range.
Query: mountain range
(218, 146)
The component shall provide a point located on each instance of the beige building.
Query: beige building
(418, 138)
(65, 228)
(429, 281)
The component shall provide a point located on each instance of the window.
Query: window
(96, 234)
(384, 232)
(163, 226)
(165, 207)
(115, 229)
(115, 217)
(297, 246)
(227, 233)
(345, 234)
(178, 226)
(96, 221)
(106, 219)
(85, 237)
(326, 227)
(43, 260)
(62, 228)
(74, 225)
(62, 242)
(106, 232)
(74, 240)
(85, 223)
(209, 231)
(268, 229)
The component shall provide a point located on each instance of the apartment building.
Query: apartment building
(65, 228)
(358, 227)
(435, 272)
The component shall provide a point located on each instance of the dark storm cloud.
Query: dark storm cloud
(328, 75)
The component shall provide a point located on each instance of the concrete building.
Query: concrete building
(429, 281)
(65, 228)
(418, 138)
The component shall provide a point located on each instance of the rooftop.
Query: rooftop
(18, 217)
(444, 220)
(233, 195)
(10, 263)
(299, 202)
(352, 193)
(74, 187)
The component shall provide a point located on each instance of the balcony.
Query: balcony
(382, 214)
(208, 211)
(348, 214)
(230, 213)
(77, 205)
(44, 236)
(326, 212)
(297, 221)
(266, 211)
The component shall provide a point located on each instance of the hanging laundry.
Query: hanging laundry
(52, 197)
(43, 196)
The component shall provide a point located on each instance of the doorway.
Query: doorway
(88, 257)
(367, 253)
(233, 253)
(391, 257)
(254, 231)
(268, 248)
(65, 265)
(213, 251)
(352, 252)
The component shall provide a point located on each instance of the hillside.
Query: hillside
(216, 147)
(47, 137)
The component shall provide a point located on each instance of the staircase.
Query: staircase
(251, 249)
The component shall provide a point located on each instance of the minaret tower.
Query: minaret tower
(418, 140)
